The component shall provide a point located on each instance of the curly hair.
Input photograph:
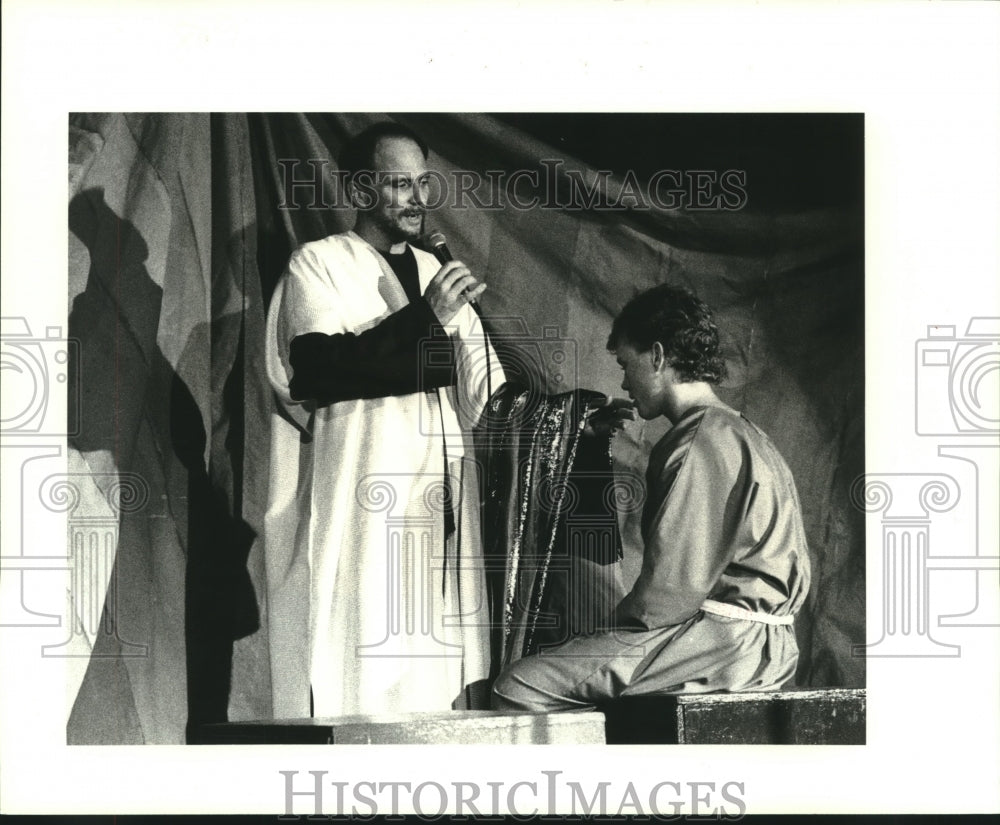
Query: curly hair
(681, 322)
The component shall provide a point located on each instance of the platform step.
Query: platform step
(834, 716)
(461, 727)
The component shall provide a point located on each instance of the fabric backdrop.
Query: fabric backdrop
(180, 225)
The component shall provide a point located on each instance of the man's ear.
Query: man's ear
(361, 197)
(659, 356)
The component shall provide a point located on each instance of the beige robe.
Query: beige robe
(722, 522)
(367, 603)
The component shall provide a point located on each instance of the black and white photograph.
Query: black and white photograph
(362, 515)
(617, 423)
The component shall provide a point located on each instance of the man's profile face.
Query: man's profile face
(400, 190)
(647, 385)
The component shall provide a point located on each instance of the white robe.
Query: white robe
(367, 604)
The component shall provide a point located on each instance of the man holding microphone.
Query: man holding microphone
(376, 591)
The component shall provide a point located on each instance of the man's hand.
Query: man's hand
(446, 293)
(610, 418)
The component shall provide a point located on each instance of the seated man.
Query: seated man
(725, 565)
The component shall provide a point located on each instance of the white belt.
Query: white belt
(733, 611)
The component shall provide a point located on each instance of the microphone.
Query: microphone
(437, 244)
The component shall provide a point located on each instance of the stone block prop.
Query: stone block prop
(457, 727)
(833, 716)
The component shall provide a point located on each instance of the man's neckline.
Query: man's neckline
(703, 407)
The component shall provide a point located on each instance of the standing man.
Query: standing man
(725, 566)
(376, 592)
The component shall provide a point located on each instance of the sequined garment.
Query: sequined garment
(548, 518)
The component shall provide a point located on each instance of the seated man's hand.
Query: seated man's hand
(610, 418)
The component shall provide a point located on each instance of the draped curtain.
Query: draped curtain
(180, 225)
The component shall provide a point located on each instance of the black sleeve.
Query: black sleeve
(407, 352)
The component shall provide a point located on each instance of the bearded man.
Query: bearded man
(376, 591)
